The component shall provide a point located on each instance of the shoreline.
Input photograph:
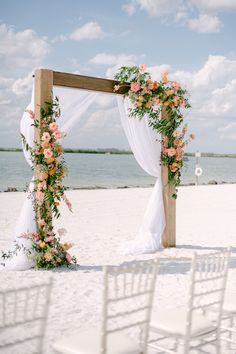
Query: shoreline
(114, 151)
(191, 184)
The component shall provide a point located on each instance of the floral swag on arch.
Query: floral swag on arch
(149, 98)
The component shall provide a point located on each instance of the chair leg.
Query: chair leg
(186, 346)
(176, 345)
(218, 344)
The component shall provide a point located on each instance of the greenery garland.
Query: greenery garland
(47, 159)
(150, 98)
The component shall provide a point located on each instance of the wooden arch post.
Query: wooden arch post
(169, 234)
(43, 85)
(44, 82)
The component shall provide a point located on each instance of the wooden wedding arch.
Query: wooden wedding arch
(45, 80)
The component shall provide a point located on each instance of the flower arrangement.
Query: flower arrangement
(50, 168)
(151, 98)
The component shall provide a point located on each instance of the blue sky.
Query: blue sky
(194, 39)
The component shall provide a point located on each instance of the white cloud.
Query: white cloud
(153, 7)
(130, 8)
(90, 30)
(21, 49)
(215, 5)
(110, 59)
(114, 61)
(228, 132)
(205, 24)
(23, 86)
(182, 12)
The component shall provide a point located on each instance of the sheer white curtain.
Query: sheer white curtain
(146, 147)
(73, 103)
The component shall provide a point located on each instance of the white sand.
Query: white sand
(101, 221)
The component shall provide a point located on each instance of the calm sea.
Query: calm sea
(111, 171)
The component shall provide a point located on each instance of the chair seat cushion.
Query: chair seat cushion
(89, 342)
(173, 321)
(230, 302)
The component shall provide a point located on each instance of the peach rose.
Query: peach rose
(47, 153)
(171, 152)
(175, 85)
(53, 126)
(46, 136)
(142, 68)
(39, 196)
(164, 76)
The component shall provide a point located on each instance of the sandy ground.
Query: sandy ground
(101, 221)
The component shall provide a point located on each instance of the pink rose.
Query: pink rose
(179, 150)
(142, 68)
(175, 85)
(46, 136)
(47, 153)
(58, 134)
(134, 86)
(48, 239)
(144, 91)
(164, 76)
(53, 126)
(165, 151)
(39, 196)
(42, 185)
(156, 101)
(178, 158)
(171, 152)
(43, 176)
(68, 257)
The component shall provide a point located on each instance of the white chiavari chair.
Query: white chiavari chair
(228, 326)
(127, 301)
(23, 316)
(195, 325)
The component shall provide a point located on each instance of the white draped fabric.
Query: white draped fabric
(146, 147)
(73, 103)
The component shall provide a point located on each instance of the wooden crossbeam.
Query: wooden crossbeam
(87, 83)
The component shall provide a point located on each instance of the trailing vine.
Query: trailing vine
(163, 102)
(50, 169)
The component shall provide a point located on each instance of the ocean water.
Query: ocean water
(111, 171)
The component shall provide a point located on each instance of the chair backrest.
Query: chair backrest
(128, 297)
(23, 314)
(207, 286)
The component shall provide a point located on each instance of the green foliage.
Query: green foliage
(163, 103)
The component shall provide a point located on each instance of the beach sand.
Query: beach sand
(101, 221)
